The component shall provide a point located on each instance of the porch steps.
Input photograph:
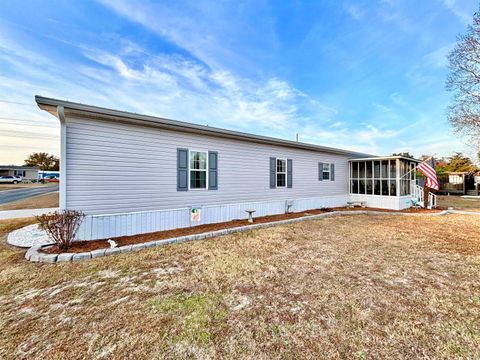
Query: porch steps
(419, 195)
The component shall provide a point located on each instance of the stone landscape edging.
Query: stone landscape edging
(33, 254)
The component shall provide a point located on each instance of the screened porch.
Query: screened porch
(382, 182)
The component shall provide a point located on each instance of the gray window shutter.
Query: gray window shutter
(332, 172)
(212, 170)
(273, 173)
(182, 169)
(320, 171)
(289, 173)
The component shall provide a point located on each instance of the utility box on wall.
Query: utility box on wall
(195, 214)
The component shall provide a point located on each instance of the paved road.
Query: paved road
(7, 196)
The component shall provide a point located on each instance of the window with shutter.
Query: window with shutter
(326, 172)
(182, 169)
(212, 170)
(198, 169)
(273, 164)
(281, 173)
(289, 173)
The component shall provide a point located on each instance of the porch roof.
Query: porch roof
(386, 158)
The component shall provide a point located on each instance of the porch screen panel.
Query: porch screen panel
(393, 169)
(376, 169)
(377, 177)
(376, 187)
(385, 189)
(354, 186)
(369, 165)
(361, 170)
(404, 178)
(362, 187)
(369, 186)
(354, 170)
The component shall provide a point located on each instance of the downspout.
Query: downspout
(63, 157)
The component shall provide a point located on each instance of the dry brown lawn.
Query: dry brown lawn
(459, 203)
(356, 287)
(48, 200)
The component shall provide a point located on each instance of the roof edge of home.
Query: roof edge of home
(18, 167)
(391, 157)
(45, 102)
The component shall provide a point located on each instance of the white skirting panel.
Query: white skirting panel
(113, 225)
(383, 202)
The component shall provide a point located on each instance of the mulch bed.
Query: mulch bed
(86, 246)
(409, 210)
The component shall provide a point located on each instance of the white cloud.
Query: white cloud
(198, 86)
(454, 6)
(426, 71)
(356, 12)
(178, 88)
(168, 86)
(218, 98)
(393, 12)
(208, 31)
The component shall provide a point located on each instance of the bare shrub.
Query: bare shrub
(61, 226)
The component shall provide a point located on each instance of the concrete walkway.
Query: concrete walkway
(471, 197)
(12, 214)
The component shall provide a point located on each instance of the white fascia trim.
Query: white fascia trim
(63, 157)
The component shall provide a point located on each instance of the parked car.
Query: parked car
(10, 179)
(53, 179)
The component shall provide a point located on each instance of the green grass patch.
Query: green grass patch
(193, 318)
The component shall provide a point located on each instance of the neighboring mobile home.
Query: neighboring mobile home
(183, 168)
(459, 182)
(25, 172)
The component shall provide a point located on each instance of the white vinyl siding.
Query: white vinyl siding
(115, 167)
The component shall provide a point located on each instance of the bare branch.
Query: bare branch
(61, 226)
(464, 82)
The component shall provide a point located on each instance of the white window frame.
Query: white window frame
(281, 172)
(190, 170)
(329, 171)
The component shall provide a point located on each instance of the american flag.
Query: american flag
(429, 171)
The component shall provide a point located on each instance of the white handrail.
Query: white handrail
(419, 194)
(432, 200)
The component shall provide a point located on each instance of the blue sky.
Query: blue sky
(361, 75)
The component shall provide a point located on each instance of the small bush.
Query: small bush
(61, 226)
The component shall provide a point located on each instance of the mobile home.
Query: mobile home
(27, 173)
(183, 167)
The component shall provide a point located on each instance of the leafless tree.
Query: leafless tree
(61, 226)
(464, 82)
